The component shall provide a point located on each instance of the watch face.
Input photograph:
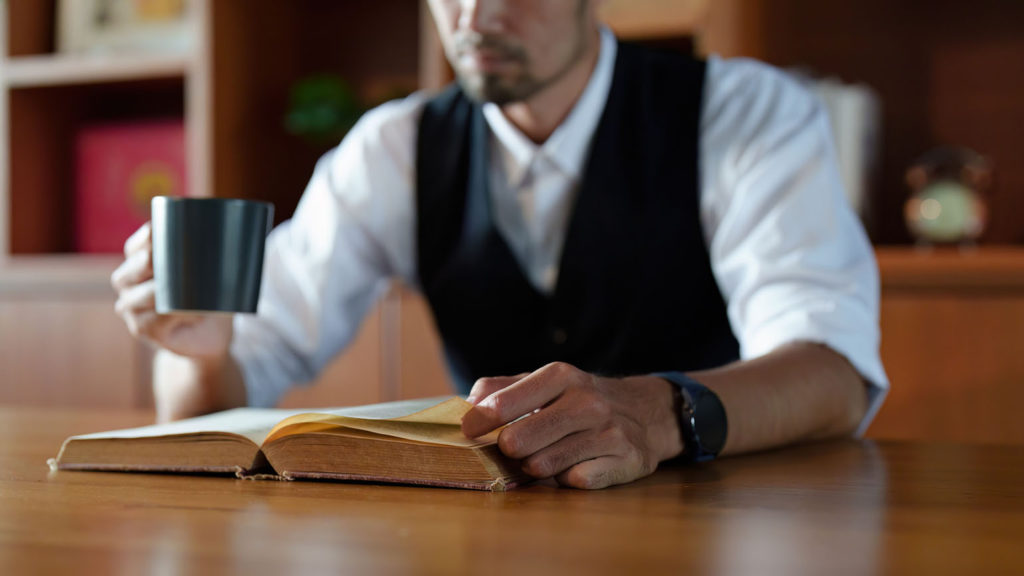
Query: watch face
(709, 422)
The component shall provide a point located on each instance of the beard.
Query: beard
(497, 88)
(515, 83)
(517, 80)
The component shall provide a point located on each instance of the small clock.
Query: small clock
(946, 205)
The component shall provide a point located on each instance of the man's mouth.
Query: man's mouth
(486, 60)
(487, 54)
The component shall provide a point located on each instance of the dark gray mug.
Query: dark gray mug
(208, 253)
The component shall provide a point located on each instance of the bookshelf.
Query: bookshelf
(56, 321)
(46, 96)
(231, 88)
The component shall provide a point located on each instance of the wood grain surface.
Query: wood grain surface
(839, 508)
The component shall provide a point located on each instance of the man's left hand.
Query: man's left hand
(585, 431)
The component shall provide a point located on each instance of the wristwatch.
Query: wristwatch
(702, 421)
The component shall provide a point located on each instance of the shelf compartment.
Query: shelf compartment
(44, 122)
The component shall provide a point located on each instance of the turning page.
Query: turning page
(429, 422)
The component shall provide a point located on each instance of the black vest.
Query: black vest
(635, 291)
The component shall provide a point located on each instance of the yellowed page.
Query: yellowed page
(438, 424)
(385, 410)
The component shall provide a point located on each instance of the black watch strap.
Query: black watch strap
(702, 420)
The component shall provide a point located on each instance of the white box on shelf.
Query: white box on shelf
(119, 26)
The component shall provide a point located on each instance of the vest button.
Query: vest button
(559, 336)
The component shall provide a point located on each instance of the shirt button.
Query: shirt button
(559, 336)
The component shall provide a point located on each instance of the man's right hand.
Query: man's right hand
(192, 372)
(202, 337)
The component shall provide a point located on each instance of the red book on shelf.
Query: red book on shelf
(120, 167)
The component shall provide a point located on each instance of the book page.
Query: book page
(437, 424)
(252, 423)
(388, 410)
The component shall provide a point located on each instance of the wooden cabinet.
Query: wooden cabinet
(953, 344)
(60, 341)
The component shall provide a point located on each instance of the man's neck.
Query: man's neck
(541, 114)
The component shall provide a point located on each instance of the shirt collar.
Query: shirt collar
(568, 145)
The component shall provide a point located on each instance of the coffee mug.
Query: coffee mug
(208, 253)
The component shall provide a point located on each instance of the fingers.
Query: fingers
(566, 453)
(598, 473)
(484, 387)
(137, 299)
(139, 325)
(138, 264)
(137, 268)
(160, 330)
(518, 399)
(570, 413)
(139, 241)
(155, 328)
(577, 432)
(137, 305)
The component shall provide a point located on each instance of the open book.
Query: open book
(409, 442)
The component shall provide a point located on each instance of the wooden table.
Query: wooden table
(839, 508)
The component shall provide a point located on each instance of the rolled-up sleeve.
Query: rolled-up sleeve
(790, 256)
(325, 267)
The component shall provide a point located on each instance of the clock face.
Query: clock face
(945, 211)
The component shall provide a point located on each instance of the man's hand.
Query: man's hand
(583, 430)
(193, 372)
(196, 336)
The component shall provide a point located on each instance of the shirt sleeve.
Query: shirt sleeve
(791, 258)
(324, 268)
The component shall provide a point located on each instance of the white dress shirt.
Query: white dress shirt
(788, 253)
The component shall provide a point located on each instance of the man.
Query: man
(583, 217)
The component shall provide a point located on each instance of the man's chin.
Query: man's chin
(495, 90)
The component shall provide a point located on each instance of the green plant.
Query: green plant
(322, 109)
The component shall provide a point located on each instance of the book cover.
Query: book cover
(119, 169)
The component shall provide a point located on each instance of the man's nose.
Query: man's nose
(482, 16)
